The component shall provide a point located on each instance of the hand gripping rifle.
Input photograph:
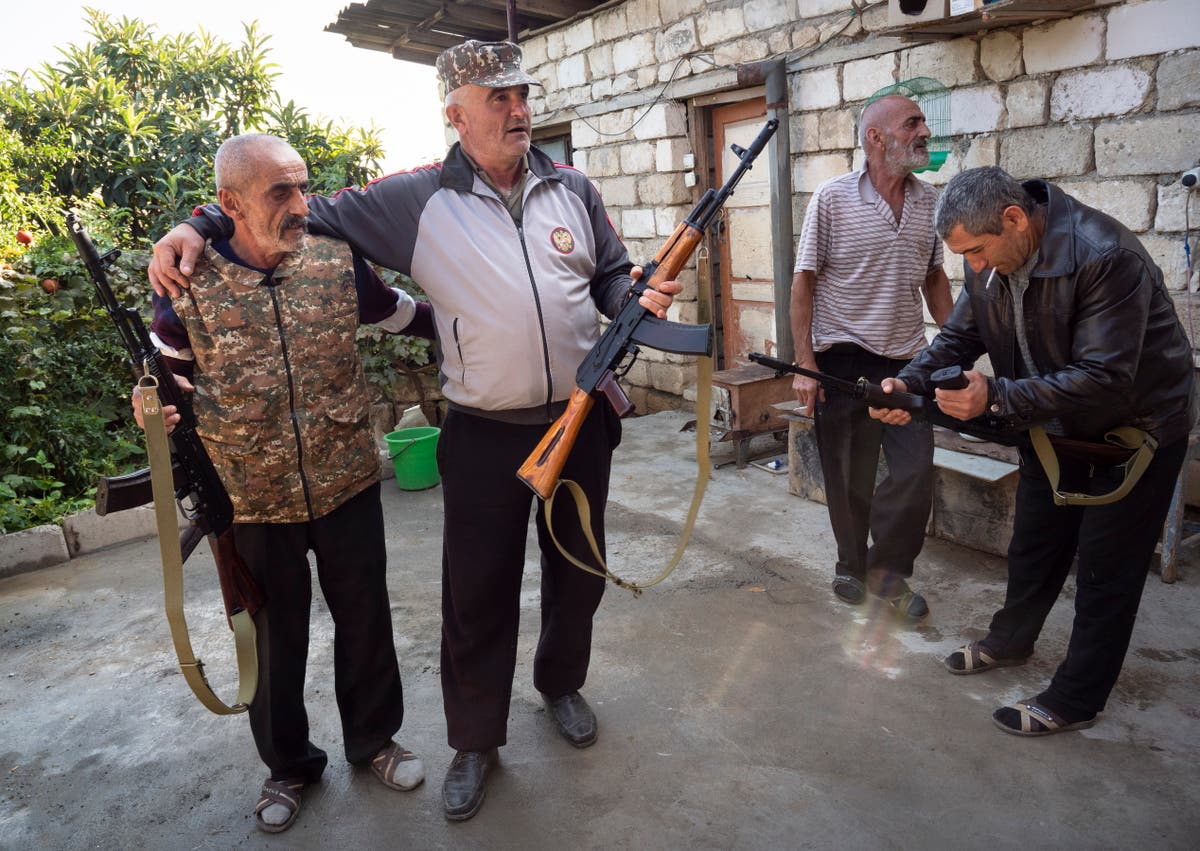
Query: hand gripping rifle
(633, 325)
(1113, 452)
(870, 393)
(197, 488)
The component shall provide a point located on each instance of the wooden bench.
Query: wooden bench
(747, 401)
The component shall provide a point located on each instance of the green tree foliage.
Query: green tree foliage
(123, 129)
(64, 387)
(134, 120)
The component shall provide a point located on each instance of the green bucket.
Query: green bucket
(413, 453)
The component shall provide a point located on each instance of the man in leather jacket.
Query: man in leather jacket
(1083, 338)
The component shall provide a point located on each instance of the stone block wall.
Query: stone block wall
(1105, 102)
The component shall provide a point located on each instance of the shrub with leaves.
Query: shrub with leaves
(133, 120)
(64, 385)
(124, 129)
(385, 356)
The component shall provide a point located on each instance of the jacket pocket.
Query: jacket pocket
(349, 407)
(238, 451)
(458, 348)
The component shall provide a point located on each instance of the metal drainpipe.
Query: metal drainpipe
(510, 13)
(774, 74)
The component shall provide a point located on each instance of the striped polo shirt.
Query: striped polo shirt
(869, 268)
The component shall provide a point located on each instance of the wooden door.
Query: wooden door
(747, 277)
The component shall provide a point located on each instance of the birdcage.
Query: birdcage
(934, 100)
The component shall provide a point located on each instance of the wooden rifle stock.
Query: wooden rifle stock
(238, 588)
(544, 465)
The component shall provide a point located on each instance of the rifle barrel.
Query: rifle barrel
(781, 367)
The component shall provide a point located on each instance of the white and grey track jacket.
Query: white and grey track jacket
(515, 305)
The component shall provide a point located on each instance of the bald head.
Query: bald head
(879, 114)
(261, 183)
(239, 157)
(892, 132)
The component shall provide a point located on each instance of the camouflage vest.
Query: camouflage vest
(281, 401)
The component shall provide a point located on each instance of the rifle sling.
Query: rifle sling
(704, 372)
(1128, 438)
(703, 397)
(172, 562)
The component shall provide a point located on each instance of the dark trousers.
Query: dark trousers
(351, 564)
(483, 557)
(895, 511)
(1114, 543)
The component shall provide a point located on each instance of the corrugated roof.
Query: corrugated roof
(418, 30)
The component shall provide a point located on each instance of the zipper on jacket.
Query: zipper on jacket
(287, 369)
(541, 323)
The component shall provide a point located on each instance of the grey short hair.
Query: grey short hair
(976, 200)
(235, 158)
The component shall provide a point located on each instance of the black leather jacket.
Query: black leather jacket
(1107, 345)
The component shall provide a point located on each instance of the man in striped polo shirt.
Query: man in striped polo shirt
(867, 254)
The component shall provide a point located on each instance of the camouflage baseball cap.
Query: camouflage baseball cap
(494, 64)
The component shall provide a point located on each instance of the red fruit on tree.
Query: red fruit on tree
(50, 285)
(24, 237)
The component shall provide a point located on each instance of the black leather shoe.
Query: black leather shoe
(463, 788)
(575, 719)
(848, 589)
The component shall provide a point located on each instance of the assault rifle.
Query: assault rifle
(948, 378)
(198, 490)
(872, 394)
(633, 325)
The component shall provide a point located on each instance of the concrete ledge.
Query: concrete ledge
(87, 531)
(30, 549)
(974, 500)
(81, 533)
(974, 485)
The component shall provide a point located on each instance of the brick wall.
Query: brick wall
(1106, 103)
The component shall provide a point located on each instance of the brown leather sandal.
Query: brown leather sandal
(1030, 718)
(286, 793)
(976, 660)
(398, 768)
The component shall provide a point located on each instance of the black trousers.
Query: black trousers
(483, 557)
(1115, 543)
(351, 563)
(894, 512)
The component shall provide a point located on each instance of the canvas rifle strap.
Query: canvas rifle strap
(1135, 440)
(704, 372)
(162, 485)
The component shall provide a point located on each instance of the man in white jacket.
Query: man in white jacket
(516, 254)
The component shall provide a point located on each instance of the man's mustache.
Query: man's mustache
(291, 222)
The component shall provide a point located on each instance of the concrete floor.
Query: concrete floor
(741, 705)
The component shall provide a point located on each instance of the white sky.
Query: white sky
(318, 70)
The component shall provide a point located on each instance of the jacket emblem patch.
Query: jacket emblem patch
(562, 240)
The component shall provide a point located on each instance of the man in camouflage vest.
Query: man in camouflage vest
(517, 254)
(267, 335)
